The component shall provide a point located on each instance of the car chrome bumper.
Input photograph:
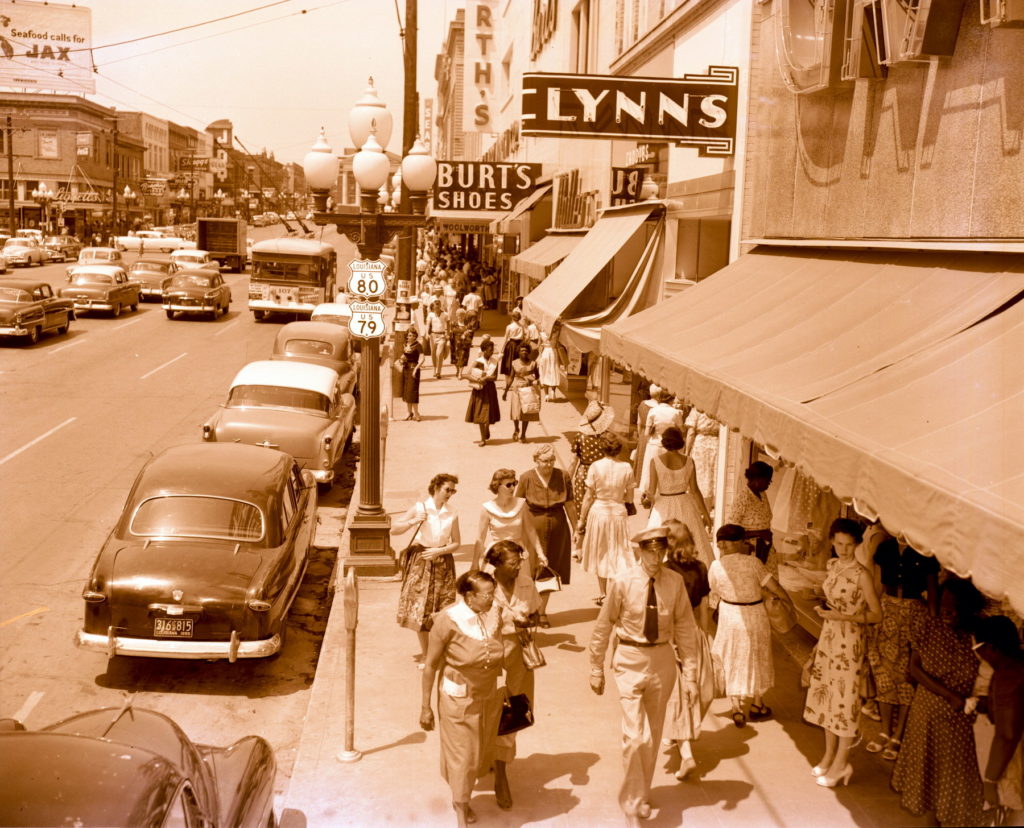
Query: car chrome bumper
(190, 308)
(91, 305)
(114, 645)
(284, 307)
(148, 291)
(13, 330)
(322, 475)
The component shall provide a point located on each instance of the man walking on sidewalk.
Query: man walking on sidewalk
(646, 610)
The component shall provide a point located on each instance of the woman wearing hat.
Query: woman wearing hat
(587, 446)
(548, 495)
(603, 533)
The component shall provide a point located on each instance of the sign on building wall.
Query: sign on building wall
(46, 46)
(481, 64)
(625, 185)
(695, 110)
(476, 185)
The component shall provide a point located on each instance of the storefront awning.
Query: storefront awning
(502, 224)
(794, 347)
(584, 332)
(461, 221)
(538, 259)
(551, 297)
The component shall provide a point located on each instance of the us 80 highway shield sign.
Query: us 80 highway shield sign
(367, 278)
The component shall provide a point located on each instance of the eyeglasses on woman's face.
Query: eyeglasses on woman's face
(509, 484)
(448, 490)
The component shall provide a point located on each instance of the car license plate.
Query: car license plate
(172, 627)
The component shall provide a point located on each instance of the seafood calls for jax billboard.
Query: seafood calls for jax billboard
(46, 46)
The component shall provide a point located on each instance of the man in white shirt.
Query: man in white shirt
(472, 301)
(647, 609)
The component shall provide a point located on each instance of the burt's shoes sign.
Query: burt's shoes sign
(694, 110)
(482, 185)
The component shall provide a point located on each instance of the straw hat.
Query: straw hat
(597, 417)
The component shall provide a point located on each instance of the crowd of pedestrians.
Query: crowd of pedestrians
(684, 616)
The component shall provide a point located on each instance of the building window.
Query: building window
(49, 143)
(583, 36)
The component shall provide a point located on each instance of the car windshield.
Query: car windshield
(91, 279)
(275, 396)
(97, 255)
(193, 280)
(14, 295)
(193, 259)
(18, 243)
(55, 240)
(308, 346)
(142, 267)
(196, 516)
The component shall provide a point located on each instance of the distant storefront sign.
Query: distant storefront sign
(479, 53)
(46, 46)
(154, 187)
(193, 162)
(625, 185)
(83, 143)
(476, 185)
(695, 110)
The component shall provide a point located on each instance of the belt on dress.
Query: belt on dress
(744, 603)
(672, 494)
(630, 643)
(539, 510)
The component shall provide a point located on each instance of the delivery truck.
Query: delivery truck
(224, 240)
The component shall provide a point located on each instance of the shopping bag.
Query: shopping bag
(529, 399)
(532, 656)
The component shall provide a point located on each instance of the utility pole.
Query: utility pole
(11, 224)
(410, 121)
(113, 189)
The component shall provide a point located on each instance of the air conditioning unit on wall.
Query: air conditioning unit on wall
(914, 29)
(809, 43)
(999, 13)
(861, 46)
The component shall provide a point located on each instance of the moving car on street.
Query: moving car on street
(62, 248)
(96, 287)
(197, 291)
(296, 407)
(206, 558)
(152, 241)
(186, 258)
(130, 767)
(24, 252)
(29, 308)
(100, 255)
(318, 343)
(153, 276)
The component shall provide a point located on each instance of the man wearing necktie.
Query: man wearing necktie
(646, 611)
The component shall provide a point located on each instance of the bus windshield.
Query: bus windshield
(301, 272)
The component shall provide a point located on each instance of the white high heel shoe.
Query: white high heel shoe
(844, 778)
(818, 770)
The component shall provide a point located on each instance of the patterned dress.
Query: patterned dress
(587, 447)
(834, 698)
(743, 641)
(468, 703)
(427, 585)
(704, 451)
(937, 768)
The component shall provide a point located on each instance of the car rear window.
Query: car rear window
(275, 396)
(91, 279)
(192, 516)
(13, 295)
(191, 281)
(308, 346)
(140, 267)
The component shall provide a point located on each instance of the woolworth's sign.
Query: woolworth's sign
(479, 185)
(695, 110)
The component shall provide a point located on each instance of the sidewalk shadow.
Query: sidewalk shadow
(543, 438)
(580, 615)
(417, 737)
(672, 800)
(530, 777)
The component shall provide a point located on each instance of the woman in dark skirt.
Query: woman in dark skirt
(412, 355)
(515, 332)
(548, 493)
(483, 399)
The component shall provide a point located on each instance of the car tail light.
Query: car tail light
(93, 597)
(328, 440)
(258, 605)
(207, 431)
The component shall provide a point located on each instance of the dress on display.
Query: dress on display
(546, 503)
(704, 451)
(834, 697)
(606, 547)
(937, 767)
(468, 702)
(674, 499)
(589, 449)
(743, 640)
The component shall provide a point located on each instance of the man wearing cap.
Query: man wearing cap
(646, 611)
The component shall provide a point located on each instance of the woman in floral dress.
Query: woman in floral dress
(833, 698)
(588, 446)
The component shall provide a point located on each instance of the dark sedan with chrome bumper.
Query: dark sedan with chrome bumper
(131, 768)
(206, 558)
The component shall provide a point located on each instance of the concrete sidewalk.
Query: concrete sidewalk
(568, 768)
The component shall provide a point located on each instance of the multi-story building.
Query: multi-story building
(153, 197)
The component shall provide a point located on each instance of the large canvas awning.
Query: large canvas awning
(538, 259)
(875, 374)
(503, 224)
(578, 270)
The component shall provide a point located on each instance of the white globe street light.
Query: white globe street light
(369, 115)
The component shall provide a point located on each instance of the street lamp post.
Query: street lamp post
(370, 229)
(218, 199)
(42, 195)
(129, 196)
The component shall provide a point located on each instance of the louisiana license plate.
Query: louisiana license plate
(172, 627)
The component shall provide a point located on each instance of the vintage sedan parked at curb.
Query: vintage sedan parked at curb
(130, 767)
(197, 291)
(101, 288)
(206, 558)
(292, 406)
(29, 308)
(153, 275)
(318, 343)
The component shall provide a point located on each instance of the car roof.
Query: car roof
(20, 240)
(87, 250)
(188, 251)
(22, 284)
(332, 309)
(302, 375)
(163, 262)
(302, 247)
(106, 269)
(233, 470)
(53, 776)
(327, 331)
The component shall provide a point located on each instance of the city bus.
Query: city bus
(291, 276)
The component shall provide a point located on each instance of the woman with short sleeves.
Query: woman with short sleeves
(702, 446)
(409, 362)
(428, 574)
(515, 333)
(523, 376)
(483, 398)
(588, 447)
(662, 415)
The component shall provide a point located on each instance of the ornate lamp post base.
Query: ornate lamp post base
(369, 551)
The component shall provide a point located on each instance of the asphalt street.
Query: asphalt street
(81, 415)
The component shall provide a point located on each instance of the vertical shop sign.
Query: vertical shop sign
(478, 73)
(625, 186)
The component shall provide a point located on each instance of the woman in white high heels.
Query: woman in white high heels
(833, 697)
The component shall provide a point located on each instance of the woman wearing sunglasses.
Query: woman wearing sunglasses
(505, 517)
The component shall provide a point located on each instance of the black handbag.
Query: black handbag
(630, 508)
(516, 714)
